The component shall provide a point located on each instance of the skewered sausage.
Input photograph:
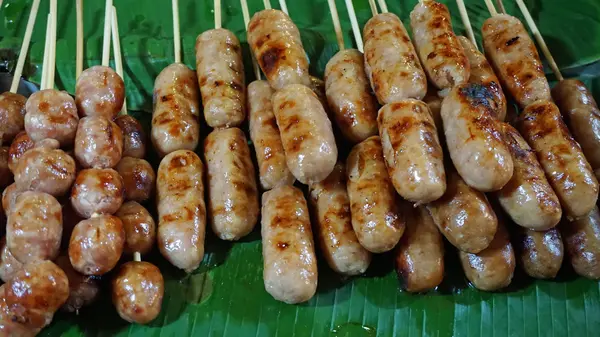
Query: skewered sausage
(181, 209)
(391, 62)
(220, 71)
(232, 192)
(275, 42)
(19, 146)
(176, 110)
(374, 204)
(561, 157)
(441, 54)
(134, 138)
(96, 244)
(45, 170)
(137, 291)
(12, 115)
(527, 197)
(51, 114)
(540, 252)
(582, 241)
(306, 133)
(272, 167)
(99, 92)
(140, 229)
(98, 143)
(83, 290)
(9, 265)
(5, 173)
(290, 264)
(474, 142)
(97, 191)
(333, 221)
(353, 106)
(138, 178)
(515, 59)
(412, 150)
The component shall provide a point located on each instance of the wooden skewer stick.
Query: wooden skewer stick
(176, 34)
(355, 28)
(246, 15)
(118, 56)
(490, 7)
(52, 56)
(106, 41)
(24, 46)
(373, 7)
(383, 6)
(267, 4)
(336, 24)
(540, 40)
(46, 54)
(501, 6)
(466, 21)
(217, 14)
(137, 257)
(79, 56)
(283, 6)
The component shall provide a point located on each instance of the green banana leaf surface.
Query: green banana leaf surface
(226, 295)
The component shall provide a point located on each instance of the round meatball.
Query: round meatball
(21, 144)
(98, 143)
(96, 244)
(9, 265)
(134, 138)
(140, 228)
(51, 114)
(12, 115)
(137, 291)
(45, 170)
(5, 173)
(97, 191)
(83, 290)
(99, 91)
(138, 177)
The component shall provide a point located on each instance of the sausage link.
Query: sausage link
(12, 115)
(98, 142)
(97, 191)
(348, 92)
(464, 216)
(420, 253)
(83, 289)
(441, 54)
(374, 204)
(475, 144)
(272, 167)
(45, 170)
(412, 150)
(527, 197)
(333, 222)
(51, 114)
(515, 59)
(9, 197)
(140, 229)
(181, 209)
(9, 265)
(561, 157)
(138, 178)
(6, 176)
(290, 264)
(540, 252)
(137, 291)
(582, 240)
(18, 147)
(99, 92)
(391, 62)
(134, 138)
(275, 42)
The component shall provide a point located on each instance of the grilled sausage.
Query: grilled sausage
(134, 138)
(83, 290)
(374, 204)
(333, 224)
(561, 157)
(18, 147)
(137, 291)
(176, 110)
(9, 197)
(582, 240)
(232, 192)
(96, 244)
(98, 143)
(515, 59)
(181, 209)
(441, 54)
(348, 92)
(275, 42)
(12, 115)
(5, 173)
(482, 73)
(99, 92)
(527, 197)
(138, 178)
(412, 150)
(272, 167)
(9, 265)
(290, 264)
(464, 216)
(539, 252)
(306, 133)
(475, 144)
(140, 229)
(391, 62)
(51, 114)
(45, 170)
(97, 191)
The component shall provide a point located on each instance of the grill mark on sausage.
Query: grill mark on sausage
(512, 41)
(270, 58)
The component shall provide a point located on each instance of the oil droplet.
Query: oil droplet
(200, 288)
(353, 330)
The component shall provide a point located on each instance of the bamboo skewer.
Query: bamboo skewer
(79, 56)
(267, 4)
(24, 46)
(355, 28)
(246, 15)
(283, 6)
(117, 51)
(490, 7)
(217, 14)
(47, 47)
(383, 6)
(373, 7)
(336, 24)
(106, 41)
(466, 22)
(501, 6)
(176, 33)
(52, 59)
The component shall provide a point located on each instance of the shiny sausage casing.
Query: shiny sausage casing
(464, 216)
(9, 265)
(83, 289)
(134, 138)
(275, 42)
(441, 54)
(232, 192)
(137, 291)
(348, 92)
(181, 209)
(45, 170)
(270, 156)
(527, 197)
(306, 133)
(515, 59)
(140, 229)
(539, 252)
(420, 253)
(51, 114)
(98, 142)
(475, 144)
(21, 144)
(333, 222)
(220, 71)
(100, 92)
(12, 115)
(290, 264)
(582, 243)
(374, 204)
(391, 62)
(97, 191)
(138, 178)
(412, 150)
(566, 168)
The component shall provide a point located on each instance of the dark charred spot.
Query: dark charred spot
(178, 162)
(512, 41)
(478, 95)
(218, 83)
(436, 23)
(236, 86)
(431, 55)
(271, 122)
(270, 58)
(166, 98)
(282, 245)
